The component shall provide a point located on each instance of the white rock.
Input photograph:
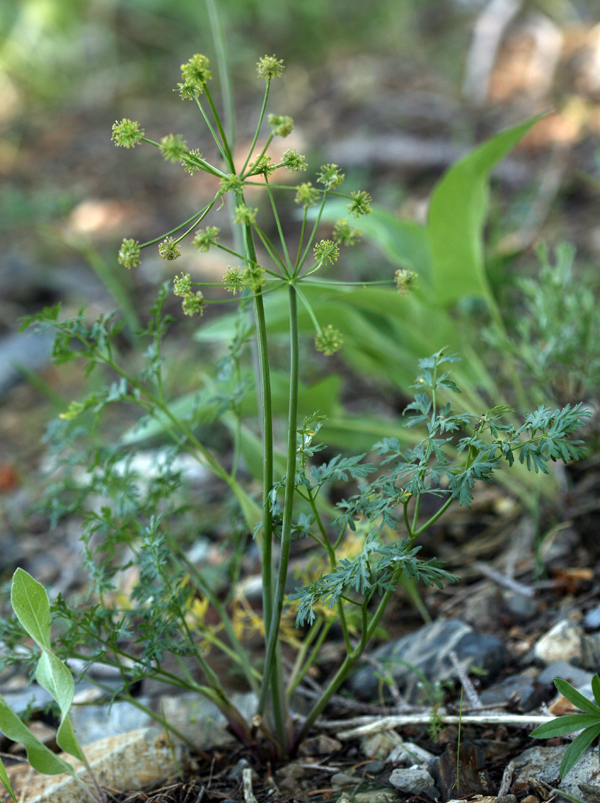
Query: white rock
(412, 780)
(409, 753)
(130, 761)
(561, 643)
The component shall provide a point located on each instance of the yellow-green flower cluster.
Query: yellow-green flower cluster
(360, 204)
(168, 249)
(233, 280)
(254, 277)
(330, 176)
(205, 238)
(329, 341)
(306, 194)
(193, 302)
(127, 133)
(326, 251)
(244, 214)
(190, 161)
(231, 182)
(173, 147)
(294, 162)
(405, 281)
(281, 125)
(346, 234)
(263, 165)
(195, 74)
(269, 67)
(129, 254)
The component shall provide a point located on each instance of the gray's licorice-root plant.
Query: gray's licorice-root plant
(382, 511)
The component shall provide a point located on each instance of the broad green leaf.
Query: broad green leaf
(457, 213)
(575, 697)
(566, 724)
(32, 607)
(5, 780)
(54, 676)
(39, 756)
(577, 748)
(596, 688)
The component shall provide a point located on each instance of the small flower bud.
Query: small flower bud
(346, 234)
(205, 238)
(193, 304)
(329, 340)
(129, 254)
(231, 182)
(254, 277)
(262, 165)
(195, 74)
(281, 125)
(182, 285)
(326, 251)
(360, 204)
(306, 194)
(233, 280)
(269, 67)
(127, 133)
(168, 249)
(244, 214)
(173, 147)
(330, 176)
(405, 281)
(187, 90)
(294, 162)
(190, 161)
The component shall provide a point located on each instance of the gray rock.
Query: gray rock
(425, 652)
(520, 688)
(541, 763)
(520, 606)
(95, 722)
(33, 697)
(28, 349)
(591, 621)
(413, 781)
(561, 643)
(563, 669)
(410, 753)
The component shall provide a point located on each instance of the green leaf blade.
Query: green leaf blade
(577, 748)
(567, 724)
(31, 604)
(39, 756)
(575, 697)
(5, 780)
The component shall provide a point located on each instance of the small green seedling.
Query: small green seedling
(6, 782)
(31, 605)
(588, 723)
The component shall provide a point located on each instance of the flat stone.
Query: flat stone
(380, 745)
(200, 721)
(585, 772)
(374, 796)
(561, 643)
(320, 745)
(426, 652)
(410, 753)
(566, 671)
(130, 761)
(95, 722)
(413, 780)
(520, 688)
(541, 763)
(591, 621)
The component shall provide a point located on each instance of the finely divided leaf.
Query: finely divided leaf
(39, 756)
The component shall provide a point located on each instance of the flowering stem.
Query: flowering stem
(260, 119)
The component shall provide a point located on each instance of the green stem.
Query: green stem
(297, 678)
(279, 229)
(198, 215)
(224, 74)
(257, 132)
(312, 236)
(271, 249)
(228, 155)
(288, 509)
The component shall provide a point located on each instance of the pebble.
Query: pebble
(561, 643)
(373, 796)
(591, 621)
(563, 669)
(521, 689)
(426, 650)
(413, 781)
(380, 745)
(410, 753)
(343, 779)
(320, 745)
(374, 767)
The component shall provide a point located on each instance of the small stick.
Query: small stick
(503, 580)
(201, 794)
(247, 782)
(465, 680)
(391, 722)
(507, 777)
